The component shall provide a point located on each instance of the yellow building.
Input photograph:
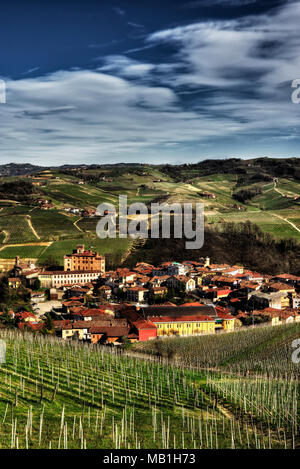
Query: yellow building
(79, 329)
(224, 320)
(181, 320)
(184, 326)
(14, 282)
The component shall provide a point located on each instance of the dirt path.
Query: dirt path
(287, 221)
(281, 193)
(277, 190)
(75, 224)
(46, 244)
(46, 247)
(10, 201)
(279, 216)
(28, 218)
(6, 236)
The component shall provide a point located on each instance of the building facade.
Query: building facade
(82, 259)
(59, 278)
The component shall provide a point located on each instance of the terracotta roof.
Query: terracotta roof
(196, 303)
(70, 272)
(177, 311)
(223, 313)
(143, 324)
(116, 331)
(280, 286)
(183, 278)
(137, 289)
(220, 278)
(287, 276)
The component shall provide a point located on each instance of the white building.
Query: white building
(59, 278)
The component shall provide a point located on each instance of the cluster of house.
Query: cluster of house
(209, 195)
(112, 323)
(45, 204)
(80, 268)
(86, 213)
(144, 302)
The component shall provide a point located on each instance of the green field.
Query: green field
(65, 395)
(53, 225)
(17, 229)
(265, 220)
(105, 247)
(80, 196)
(274, 212)
(25, 252)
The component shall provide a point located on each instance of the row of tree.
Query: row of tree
(231, 243)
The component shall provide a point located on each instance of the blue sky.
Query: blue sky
(148, 81)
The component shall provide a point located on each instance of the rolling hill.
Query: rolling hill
(264, 191)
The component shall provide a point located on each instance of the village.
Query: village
(83, 301)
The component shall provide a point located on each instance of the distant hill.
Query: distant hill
(263, 191)
(19, 169)
(261, 167)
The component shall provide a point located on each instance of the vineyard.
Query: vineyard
(56, 394)
(262, 349)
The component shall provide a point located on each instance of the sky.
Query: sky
(164, 81)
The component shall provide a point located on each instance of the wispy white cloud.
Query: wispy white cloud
(227, 81)
(135, 25)
(84, 115)
(124, 66)
(263, 50)
(31, 70)
(119, 11)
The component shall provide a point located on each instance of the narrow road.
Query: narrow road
(281, 193)
(6, 237)
(75, 224)
(287, 221)
(46, 244)
(28, 218)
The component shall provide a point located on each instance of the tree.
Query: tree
(36, 284)
(48, 327)
(6, 319)
(101, 297)
(126, 342)
(50, 262)
(4, 290)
